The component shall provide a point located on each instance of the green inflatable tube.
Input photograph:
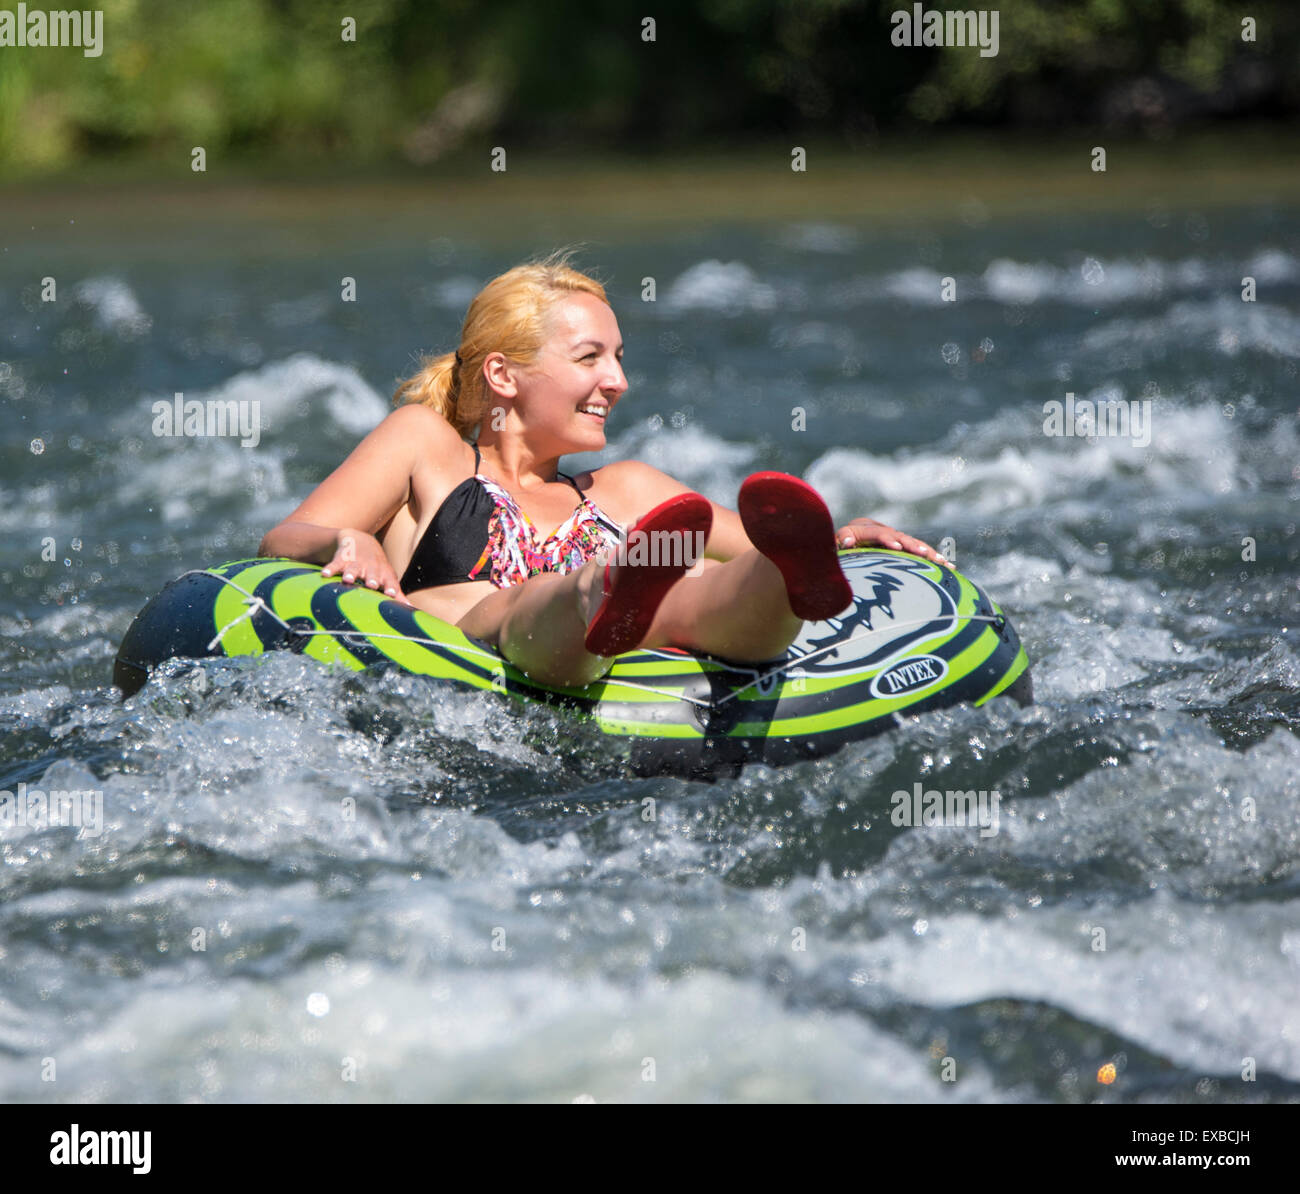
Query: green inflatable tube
(919, 636)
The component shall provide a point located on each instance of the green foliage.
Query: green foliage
(275, 79)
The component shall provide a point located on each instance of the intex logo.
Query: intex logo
(909, 675)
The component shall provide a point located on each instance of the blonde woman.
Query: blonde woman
(452, 527)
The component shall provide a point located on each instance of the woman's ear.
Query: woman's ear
(500, 375)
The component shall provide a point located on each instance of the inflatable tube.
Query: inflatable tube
(919, 636)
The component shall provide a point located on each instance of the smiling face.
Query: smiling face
(562, 401)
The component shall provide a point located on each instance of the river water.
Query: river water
(498, 920)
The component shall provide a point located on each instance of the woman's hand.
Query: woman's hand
(360, 559)
(867, 532)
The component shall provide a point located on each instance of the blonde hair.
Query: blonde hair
(509, 315)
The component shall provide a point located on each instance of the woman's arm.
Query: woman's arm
(867, 532)
(336, 524)
(303, 541)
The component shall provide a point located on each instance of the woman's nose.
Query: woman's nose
(617, 380)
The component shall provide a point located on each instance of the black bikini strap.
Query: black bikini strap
(476, 457)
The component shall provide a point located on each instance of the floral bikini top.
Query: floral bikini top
(480, 533)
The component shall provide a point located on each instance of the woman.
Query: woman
(451, 527)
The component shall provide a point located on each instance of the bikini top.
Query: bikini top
(480, 523)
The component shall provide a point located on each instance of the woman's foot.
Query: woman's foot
(633, 590)
(789, 523)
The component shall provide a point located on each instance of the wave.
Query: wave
(114, 306)
(1007, 464)
(1089, 282)
(727, 287)
(1225, 323)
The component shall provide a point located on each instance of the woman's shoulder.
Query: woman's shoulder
(426, 438)
(414, 418)
(624, 475)
(628, 488)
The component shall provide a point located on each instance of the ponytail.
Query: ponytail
(437, 386)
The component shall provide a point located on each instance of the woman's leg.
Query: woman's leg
(552, 627)
(737, 610)
(742, 610)
(540, 627)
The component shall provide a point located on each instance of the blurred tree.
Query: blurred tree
(275, 78)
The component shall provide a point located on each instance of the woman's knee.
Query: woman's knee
(487, 619)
